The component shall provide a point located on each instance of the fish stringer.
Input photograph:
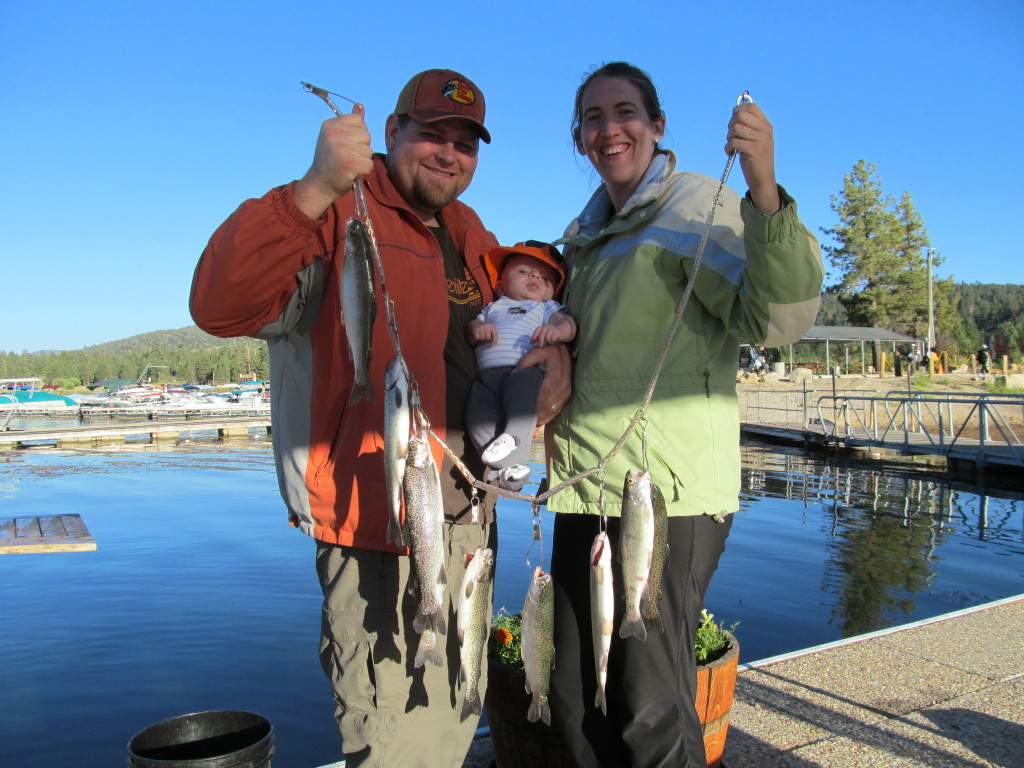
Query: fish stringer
(364, 213)
(538, 537)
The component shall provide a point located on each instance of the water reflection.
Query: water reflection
(895, 545)
(200, 596)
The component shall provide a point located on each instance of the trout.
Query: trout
(602, 612)
(473, 622)
(636, 547)
(397, 419)
(359, 306)
(538, 649)
(659, 562)
(424, 526)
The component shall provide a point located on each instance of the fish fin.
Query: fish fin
(431, 653)
(418, 623)
(653, 622)
(470, 705)
(539, 710)
(442, 574)
(436, 622)
(395, 533)
(362, 392)
(633, 628)
(533, 715)
(600, 701)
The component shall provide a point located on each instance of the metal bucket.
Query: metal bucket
(216, 739)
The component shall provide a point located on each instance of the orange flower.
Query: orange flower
(503, 636)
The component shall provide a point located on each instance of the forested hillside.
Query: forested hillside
(189, 354)
(986, 313)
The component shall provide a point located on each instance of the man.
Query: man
(273, 270)
(982, 357)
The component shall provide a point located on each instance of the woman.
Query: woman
(632, 253)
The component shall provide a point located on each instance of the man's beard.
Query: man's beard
(430, 197)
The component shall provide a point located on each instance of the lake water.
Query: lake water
(200, 596)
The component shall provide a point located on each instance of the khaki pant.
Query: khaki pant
(389, 712)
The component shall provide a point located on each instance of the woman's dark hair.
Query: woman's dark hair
(648, 93)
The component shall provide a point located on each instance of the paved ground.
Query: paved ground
(947, 693)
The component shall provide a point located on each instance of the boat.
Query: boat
(25, 395)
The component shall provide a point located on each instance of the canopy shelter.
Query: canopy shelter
(845, 336)
(111, 384)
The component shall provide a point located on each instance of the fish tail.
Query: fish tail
(395, 535)
(470, 705)
(362, 392)
(431, 653)
(601, 701)
(633, 628)
(434, 621)
(653, 622)
(539, 710)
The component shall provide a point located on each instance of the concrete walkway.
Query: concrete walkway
(947, 692)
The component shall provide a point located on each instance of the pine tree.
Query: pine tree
(880, 252)
(865, 247)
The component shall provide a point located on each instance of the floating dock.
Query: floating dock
(165, 429)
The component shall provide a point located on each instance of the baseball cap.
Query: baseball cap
(495, 258)
(437, 94)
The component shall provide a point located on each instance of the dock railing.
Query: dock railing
(942, 423)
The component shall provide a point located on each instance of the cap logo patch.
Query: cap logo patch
(457, 90)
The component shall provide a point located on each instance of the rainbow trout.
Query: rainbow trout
(538, 649)
(602, 611)
(659, 562)
(636, 547)
(424, 525)
(397, 420)
(473, 623)
(359, 306)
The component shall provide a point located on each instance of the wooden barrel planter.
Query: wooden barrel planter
(716, 686)
(517, 742)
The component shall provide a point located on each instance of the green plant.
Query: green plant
(712, 640)
(505, 642)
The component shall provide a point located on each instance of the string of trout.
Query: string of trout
(639, 417)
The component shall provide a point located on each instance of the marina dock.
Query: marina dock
(947, 692)
(164, 429)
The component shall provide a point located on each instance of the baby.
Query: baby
(501, 414)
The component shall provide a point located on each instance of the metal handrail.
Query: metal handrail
(916, 413)
(10, 413)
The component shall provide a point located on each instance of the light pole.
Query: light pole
(931, 314)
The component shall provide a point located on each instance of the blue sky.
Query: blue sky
(131, 130)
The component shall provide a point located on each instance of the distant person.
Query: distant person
(913, 359)
(757, 362)
(983, 357)
(936, 359)
(501, 414)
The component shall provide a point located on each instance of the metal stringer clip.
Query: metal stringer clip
(537, 536)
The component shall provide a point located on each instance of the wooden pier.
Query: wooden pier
(142, 430)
